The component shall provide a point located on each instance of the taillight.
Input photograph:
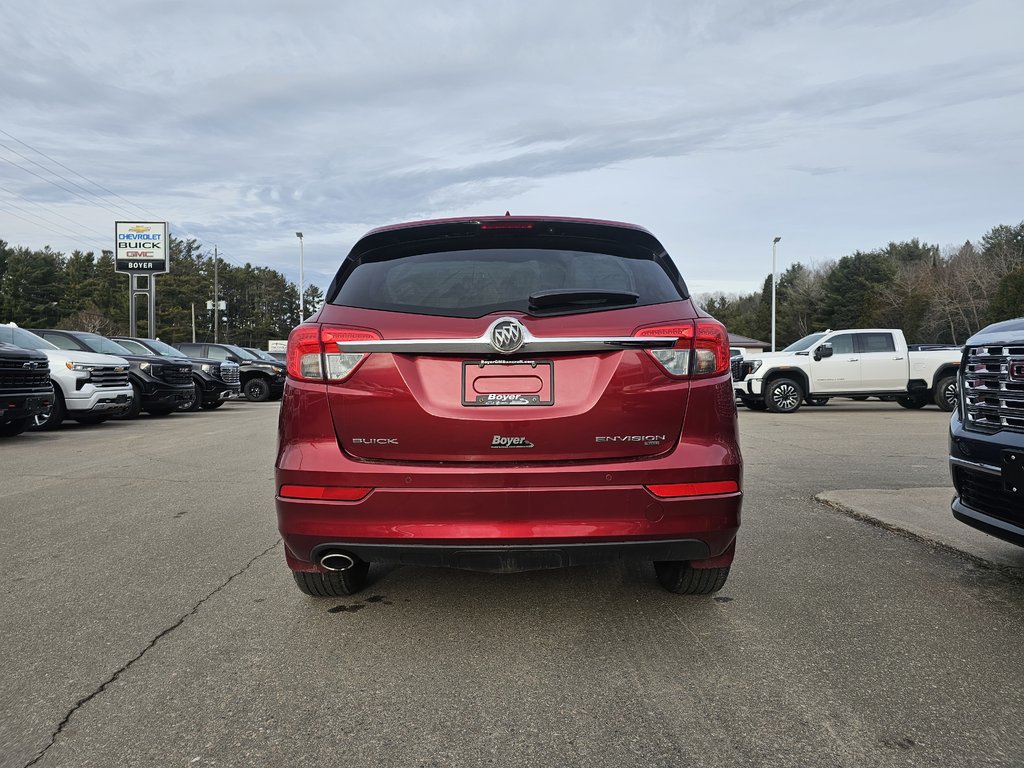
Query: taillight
(676, 360)
(313, 353)
(701, 348)
(710, 349)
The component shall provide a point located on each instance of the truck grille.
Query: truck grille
(737, 369)
(109, 376)
(985, 493)
(14, 375)
(229, 374)
(177, 375)
(993, 385)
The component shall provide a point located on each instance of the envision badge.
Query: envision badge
(507, 335)
(645, 439)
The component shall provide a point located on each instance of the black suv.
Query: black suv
(160, 387)
(262, 380)
(214, 381)
(25, 388)
(986, 433)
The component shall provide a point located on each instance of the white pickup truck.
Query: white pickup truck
(857, 363)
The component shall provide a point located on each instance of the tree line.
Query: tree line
(935, 295)
(81, 291)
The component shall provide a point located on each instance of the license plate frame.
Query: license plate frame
(545, 369)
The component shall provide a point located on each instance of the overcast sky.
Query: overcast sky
(717, 125)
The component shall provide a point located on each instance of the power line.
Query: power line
(49, 181)
(62, 178)
(55, 213)
(37, 223)
(82, 176)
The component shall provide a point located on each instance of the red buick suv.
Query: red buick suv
(506, 394)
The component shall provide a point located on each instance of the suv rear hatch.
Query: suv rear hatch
(508, 341)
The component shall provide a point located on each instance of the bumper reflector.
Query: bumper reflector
(674, 490)
(325, 493)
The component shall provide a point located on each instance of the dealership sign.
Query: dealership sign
(142, 247)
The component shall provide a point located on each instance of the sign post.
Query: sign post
(142, 252)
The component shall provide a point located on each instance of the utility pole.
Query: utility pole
(216, 302)
(775, 242)
(193, 322)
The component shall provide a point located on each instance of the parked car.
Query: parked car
(855, 362)
(214, 382)
(25, 388)
(986, 433)
(507, 394)
(262, 380)
(159, 387)
(87, 387)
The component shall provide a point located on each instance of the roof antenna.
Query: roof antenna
(507, 213)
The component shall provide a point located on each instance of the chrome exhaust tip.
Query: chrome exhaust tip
(336, 561)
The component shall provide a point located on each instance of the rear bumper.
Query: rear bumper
(516, 558)
(508, 529)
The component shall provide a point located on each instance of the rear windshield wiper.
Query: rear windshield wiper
(586, 297)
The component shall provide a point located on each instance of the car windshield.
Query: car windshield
(19, 337)
(136, 347)
(805, 343)
(164, 349)
(263, 355)
(102, 344)
(241, 353)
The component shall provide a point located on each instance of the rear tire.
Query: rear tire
(913, 402)
(679, 577)
(332, 583)
(15, 426)
(945, 393)
(783, 396)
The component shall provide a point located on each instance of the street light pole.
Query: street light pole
(302, 287)
(775, 242)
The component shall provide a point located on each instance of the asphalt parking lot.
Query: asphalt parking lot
(148, 619)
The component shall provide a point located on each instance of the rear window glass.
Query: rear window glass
(476, 282)
(877, 342)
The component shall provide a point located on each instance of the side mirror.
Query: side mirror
(825, 350)
(234, 358)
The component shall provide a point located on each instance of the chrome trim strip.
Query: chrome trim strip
(986, 468)
(481, 345)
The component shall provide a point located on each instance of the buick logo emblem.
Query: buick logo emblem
(507, 336)
(1017, 370)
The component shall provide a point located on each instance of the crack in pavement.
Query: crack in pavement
(152, 643)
